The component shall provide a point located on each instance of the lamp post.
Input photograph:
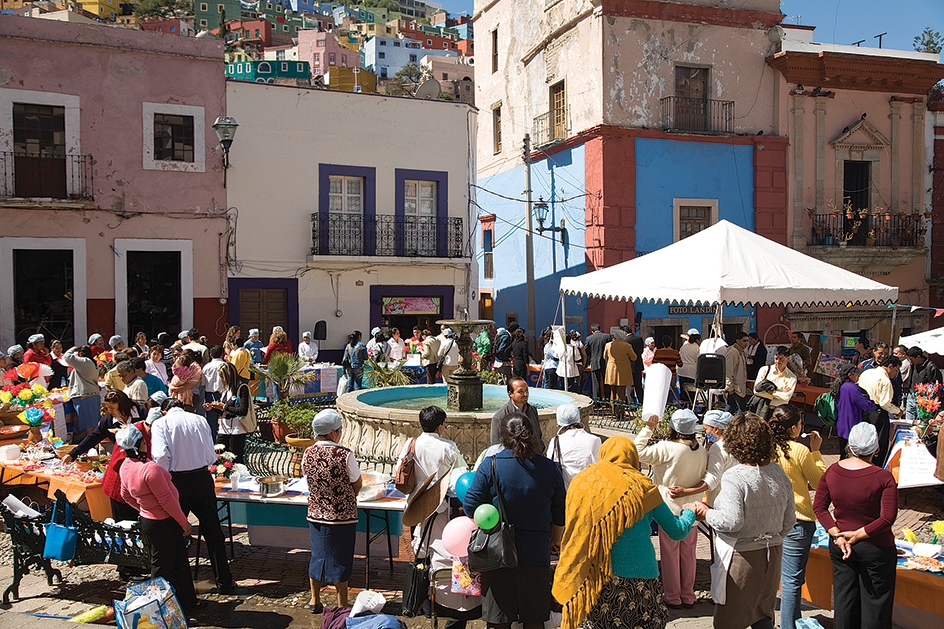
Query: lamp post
(540, 213)
(225, 127)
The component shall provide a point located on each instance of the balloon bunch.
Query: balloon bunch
(458, 531)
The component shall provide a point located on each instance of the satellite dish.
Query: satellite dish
(429, 89)
(776, 34)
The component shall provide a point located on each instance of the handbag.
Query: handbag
(346, 360)
(61, 539)
(416, 585)
(494, 549)
(404, 478)
(248, 422)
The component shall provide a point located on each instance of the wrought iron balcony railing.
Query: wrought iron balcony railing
(28, 176)
(551, 127)
(386, 235)
(871, 230)
(697, 115)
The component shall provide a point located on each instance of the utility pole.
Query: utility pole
(529, 244)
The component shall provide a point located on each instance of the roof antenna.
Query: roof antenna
(879, 38)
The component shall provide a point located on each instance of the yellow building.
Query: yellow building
(105, 9)
(351, 80)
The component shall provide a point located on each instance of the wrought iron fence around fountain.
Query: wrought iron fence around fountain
(868, 230)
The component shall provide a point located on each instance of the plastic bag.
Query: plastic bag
(342, 385)
(150, 604)
(464, 581)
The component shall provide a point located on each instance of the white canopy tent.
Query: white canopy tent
(931, 341)
(727, 264)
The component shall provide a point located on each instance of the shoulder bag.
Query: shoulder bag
(61, 539)
(494, 549)
(416, 585)
(404, 478)
(346, 360)
(248, 422)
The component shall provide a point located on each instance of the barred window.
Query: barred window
(173, 138)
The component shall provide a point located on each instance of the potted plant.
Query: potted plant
(296, 418)
(385, 375)
(895, 242)
(870, 238)
(285, 371)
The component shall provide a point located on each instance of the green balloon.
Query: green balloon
(486, 517)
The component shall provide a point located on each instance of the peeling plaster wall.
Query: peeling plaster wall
(639, 69)
(538, 47)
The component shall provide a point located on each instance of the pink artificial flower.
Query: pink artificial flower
(213, 468)
(227, 464)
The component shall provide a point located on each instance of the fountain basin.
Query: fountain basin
(379, 432)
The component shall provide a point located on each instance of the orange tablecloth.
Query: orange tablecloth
(99, 505)
(913, 588)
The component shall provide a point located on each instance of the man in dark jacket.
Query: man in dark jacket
(517, 403)
(595, 345)
(502, 349)
(638, 346)
(922, 371)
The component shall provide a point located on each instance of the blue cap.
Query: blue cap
(325, 422)
(683, 421)
(114, 341)
(128, 437)
(717, 419)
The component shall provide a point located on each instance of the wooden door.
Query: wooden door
(263, 308)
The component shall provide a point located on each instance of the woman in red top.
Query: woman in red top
(278, 342)
(861, 543)
(147, 487)
(36, 351)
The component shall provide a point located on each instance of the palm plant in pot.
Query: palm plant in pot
(285, 371)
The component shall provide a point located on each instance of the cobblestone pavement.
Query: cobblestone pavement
(273, 583)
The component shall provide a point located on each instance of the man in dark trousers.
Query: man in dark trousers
(182, 444)
(595, 345)
(517, 404)
(638, 346)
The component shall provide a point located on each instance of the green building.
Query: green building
(290, 72)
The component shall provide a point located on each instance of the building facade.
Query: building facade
(322, 51)
(376, 237)
(676, 121)
(385, 56)
(104, 231)
(456, 77)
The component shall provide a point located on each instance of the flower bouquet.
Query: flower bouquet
(223, 468)
(928, 400)
(414, 347)
(34, 416)
(21, 394)
(105, 361)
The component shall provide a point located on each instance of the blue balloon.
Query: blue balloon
(463, 484)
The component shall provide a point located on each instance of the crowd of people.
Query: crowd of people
(170, 405)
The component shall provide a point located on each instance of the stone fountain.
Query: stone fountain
(379, 422)
(464, 391)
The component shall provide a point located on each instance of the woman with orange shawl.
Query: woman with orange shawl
(607, 575)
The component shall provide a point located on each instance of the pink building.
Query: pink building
(323, 50)
(111, 182)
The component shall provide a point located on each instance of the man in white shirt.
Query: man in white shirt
(396, 346)
(181, 443)
(436, 456)
(573, 449)
(191, 341)
(213, 387)
(781, 376)
(135, 388)
(877, 382)
(308, 349)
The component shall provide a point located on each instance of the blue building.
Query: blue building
(385, 56)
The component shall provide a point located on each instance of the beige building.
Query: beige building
(456, 76)
(353, 208)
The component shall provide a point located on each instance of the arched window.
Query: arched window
(264, 68)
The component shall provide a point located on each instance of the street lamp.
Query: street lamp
(225, 127)
(540, 213)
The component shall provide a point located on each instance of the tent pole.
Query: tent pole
(563, 305)
(891, 335)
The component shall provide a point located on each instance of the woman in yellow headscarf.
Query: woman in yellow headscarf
(607, 569)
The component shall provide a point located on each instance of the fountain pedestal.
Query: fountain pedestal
(464, 385)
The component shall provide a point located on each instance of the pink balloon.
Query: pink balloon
(456, 535)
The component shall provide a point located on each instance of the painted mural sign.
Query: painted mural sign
(829, 365)
(410, 305)
(691, 310)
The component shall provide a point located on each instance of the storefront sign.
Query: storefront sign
(691, 310)
(410, 305)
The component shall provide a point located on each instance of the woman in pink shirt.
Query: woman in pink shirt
(147, 487)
